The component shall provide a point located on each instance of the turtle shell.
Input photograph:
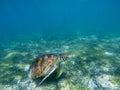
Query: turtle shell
(43, 64)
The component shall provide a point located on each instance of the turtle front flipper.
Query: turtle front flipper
(50, 71)
(59, 71)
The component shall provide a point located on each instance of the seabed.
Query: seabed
(94, 63)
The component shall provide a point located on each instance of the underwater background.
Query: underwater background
(88, 30)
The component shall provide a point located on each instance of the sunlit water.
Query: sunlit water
(88, 30)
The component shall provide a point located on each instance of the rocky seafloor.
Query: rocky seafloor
(94, 63)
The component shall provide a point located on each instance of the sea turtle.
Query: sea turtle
(46, 64)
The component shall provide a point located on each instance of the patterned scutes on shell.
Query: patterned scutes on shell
(42, 64)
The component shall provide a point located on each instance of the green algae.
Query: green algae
(88, 61)
(116, 80)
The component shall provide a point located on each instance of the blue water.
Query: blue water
(27, 17)
(88, 30)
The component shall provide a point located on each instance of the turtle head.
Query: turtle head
(63, 56)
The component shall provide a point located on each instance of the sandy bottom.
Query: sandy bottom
(94, 63)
